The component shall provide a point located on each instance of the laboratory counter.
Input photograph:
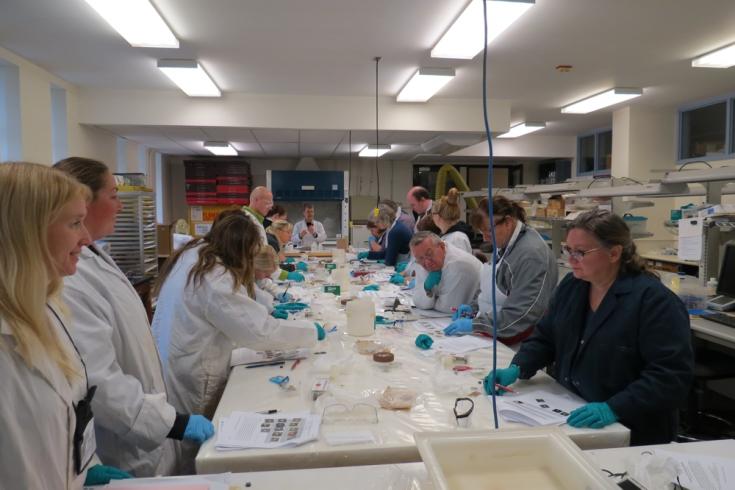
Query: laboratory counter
(355, 378)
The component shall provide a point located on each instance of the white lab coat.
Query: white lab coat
(207, 321)
(459, 284)
(37, 418)
(263, 295)
(111, 330)
(308, 239)
(458, 239)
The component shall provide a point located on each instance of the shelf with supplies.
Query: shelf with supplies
(134, 244)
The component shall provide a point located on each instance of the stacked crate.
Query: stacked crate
(213, 185)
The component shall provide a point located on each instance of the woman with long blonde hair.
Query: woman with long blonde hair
(44, 391)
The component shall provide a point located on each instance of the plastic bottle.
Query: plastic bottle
(691, 294)
(341, 276)
(360, 317)
(712, 286)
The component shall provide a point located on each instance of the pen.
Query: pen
(295, 363)
(275, 363)
(268, 412)
(504, 388)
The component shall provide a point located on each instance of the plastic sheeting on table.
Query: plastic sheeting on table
(356, 378)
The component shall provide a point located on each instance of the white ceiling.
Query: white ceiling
(326, 48)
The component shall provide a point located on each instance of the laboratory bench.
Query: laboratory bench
(357, 378)
(415, 476)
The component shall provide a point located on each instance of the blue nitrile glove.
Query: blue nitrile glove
(290, 260)
(320, 333)
(412, 284)
(302, 266)
(290, 306)
(295, 276)
(504, 377)
(362, 255)
(595, 415)
(198, 429)
(381, 320)
(100, 474)
(463, 311)
(432, 280)
(284, 297)
(281, 314)
(371, 287)
(459, 327)
(401, 266)
(396, 278)
(424, 342)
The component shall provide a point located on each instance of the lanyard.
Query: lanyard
(81, 359)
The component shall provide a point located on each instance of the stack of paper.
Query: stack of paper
(703, 472)
(244, 430)
(243, 355)
(536, 408)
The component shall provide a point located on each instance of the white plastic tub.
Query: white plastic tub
(517, 459)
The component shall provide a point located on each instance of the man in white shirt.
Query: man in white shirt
(446, 276)
(419, 200)
(308, 230)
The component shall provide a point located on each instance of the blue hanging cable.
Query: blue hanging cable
(490, 165)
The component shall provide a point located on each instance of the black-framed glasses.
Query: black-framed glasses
(578, 254)
(463, 408)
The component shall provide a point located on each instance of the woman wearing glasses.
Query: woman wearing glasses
(525, 276)
(617, 336)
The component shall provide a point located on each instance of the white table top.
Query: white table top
(357, 378)
(414, 475)
(713, 332)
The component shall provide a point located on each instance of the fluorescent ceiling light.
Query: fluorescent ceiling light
(720, 58)
(522, 128)
(464, 38)
(704, 175)
(137, 21)
(424, 84)
(190, 77)
(374, 151)
(220, 148)
(604, 99)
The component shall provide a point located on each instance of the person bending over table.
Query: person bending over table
(617, 337)
(445, 275)
(395, 237)
(446, 214)
(525, 276)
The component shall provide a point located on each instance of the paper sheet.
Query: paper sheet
(431, 313)
(690, 239)
(536, 408)
(242, 430)
(243, 355)
(461, 345)
(698, 472)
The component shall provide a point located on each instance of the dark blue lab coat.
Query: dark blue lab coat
(635, 353)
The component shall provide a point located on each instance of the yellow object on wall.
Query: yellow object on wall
(441, 183)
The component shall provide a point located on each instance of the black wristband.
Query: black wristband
(180, 423)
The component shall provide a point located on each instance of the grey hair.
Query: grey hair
(420, 236)
(610, 230)
(383, 215)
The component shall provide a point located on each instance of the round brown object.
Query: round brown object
(383, 357)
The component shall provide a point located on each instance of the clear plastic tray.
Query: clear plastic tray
(518, 459)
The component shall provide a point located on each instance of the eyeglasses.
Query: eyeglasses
(462, 410)
(578, 254)
(428, 255)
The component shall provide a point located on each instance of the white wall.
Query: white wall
(35, 112)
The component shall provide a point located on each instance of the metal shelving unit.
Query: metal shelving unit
(133, 245)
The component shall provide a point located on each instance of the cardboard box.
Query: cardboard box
(164, 234)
